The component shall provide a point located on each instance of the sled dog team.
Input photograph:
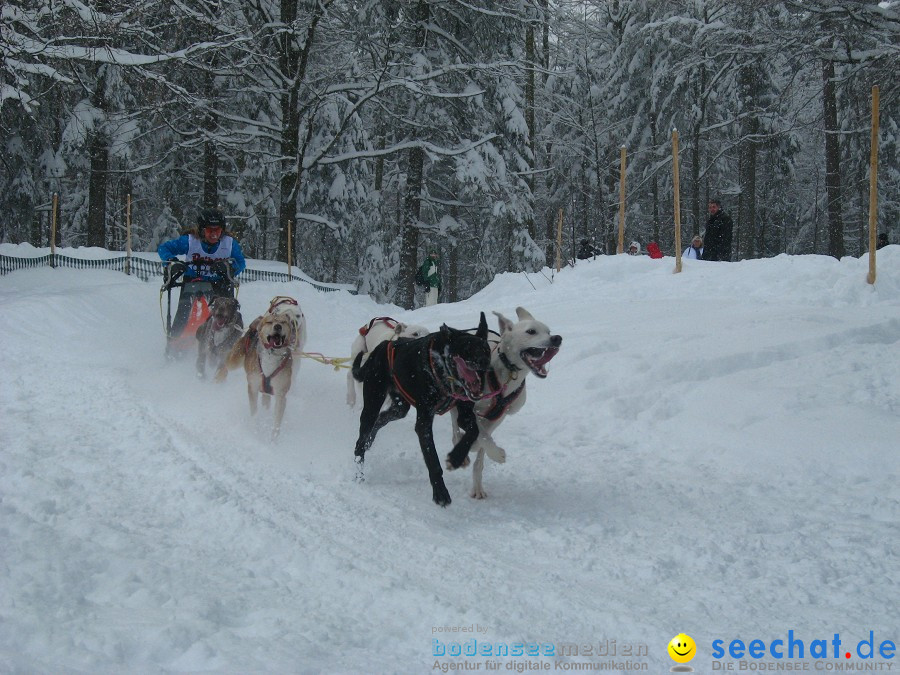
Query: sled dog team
(478, 376)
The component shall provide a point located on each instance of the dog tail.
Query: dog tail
(235, 357)
(361, 370)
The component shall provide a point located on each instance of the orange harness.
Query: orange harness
(386, 320)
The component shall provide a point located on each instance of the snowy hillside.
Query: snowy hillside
(713, 453)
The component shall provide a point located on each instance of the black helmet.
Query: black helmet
(210, 218)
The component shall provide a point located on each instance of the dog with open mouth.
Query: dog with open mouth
(521, 348)
(217, 335)
(434, 373)
(266, 352)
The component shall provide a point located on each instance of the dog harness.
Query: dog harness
(266, 387)
(386, 320)
(390, 358)
(500, 402)
(281, 300)
(449, 398)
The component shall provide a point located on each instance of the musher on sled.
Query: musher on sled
(213, 258)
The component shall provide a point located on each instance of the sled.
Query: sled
(194, 297)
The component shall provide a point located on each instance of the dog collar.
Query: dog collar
(513, 369)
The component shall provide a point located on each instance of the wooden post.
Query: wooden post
(128, 234)
(676, 184)
(621, 245)
(559, 225)
(53, 230)
(873, 188)
(290, 248)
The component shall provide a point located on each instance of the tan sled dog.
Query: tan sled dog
(266, 351)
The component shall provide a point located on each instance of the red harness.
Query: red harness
(267, 379)
(500, 402)
(449, 398)
(386, 320)
(281, 300)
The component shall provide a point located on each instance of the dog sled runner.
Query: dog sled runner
(194, 296)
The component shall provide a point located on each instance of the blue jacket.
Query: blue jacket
(170, 250)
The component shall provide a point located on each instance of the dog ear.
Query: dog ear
(399, 328)
(445, 331)
(523, 314)
(482, 331)
(505, 324)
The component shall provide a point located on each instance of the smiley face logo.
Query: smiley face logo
(682, 648)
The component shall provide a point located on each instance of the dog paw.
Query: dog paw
(221, 374)
(497, 454)
(451, 467)
(441, 496)
(477, 494)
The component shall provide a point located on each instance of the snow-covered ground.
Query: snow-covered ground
(713, 453)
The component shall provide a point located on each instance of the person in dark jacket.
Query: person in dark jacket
(717, 242)
(586, 250)
(430, 274)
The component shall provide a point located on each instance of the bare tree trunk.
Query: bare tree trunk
(292, 64)
(696, 155)
(654, 185)
(747, 224)
(288, 59)
(412, 206)
(530, 63)
(98, 150)
(210, 175)
(832, 164)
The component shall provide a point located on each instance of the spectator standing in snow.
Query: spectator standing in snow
(695, 250)
(586, 250)
(653, 250)
(432, 278)
(634, 248)
(717, 241)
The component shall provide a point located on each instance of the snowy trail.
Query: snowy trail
(719, 470)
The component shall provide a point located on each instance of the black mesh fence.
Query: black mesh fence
(141, 268)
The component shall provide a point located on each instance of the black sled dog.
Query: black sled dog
(433, 373)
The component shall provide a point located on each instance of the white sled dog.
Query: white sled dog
(267, 351)
(378, 330)
(522, 347)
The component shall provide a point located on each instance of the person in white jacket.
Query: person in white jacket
(695, 250)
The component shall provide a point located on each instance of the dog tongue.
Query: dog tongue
(469, 375)
(548, 354)
(537, 364)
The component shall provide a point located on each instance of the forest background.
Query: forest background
(380, 128)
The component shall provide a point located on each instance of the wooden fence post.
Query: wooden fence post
(53, 230)
(873, 188)
(290, 247)
(559, 224)
(128, 234)
(620, 248)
